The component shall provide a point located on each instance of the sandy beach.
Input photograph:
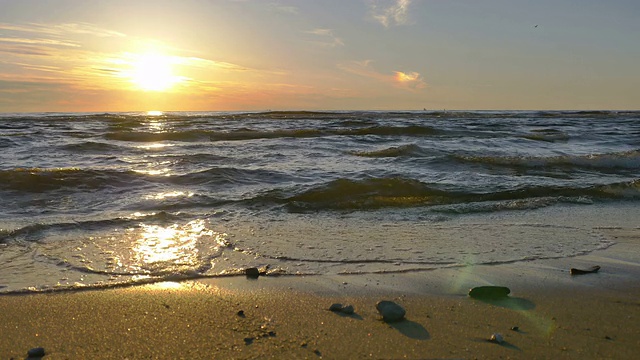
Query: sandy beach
(556, 315)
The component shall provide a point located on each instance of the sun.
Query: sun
(153, 72)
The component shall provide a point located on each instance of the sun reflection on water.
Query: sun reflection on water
(154, 146)
(170, 194)
(156, 172)
(174, 248)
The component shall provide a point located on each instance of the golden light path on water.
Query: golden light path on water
(156, 146)
(172, 248)
(170, 194)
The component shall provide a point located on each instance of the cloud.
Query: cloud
(43, 68)
(15, 84)
(412, 80)
(212, 64)
(24, 50)
(327, 36)
(61, 29)
(284, 8)
(390, 13)
(87, 29)
(38, 41)
(35, 53)
(408, 81)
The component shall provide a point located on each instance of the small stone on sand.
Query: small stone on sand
(496, 338)
(593, 269)
(252, 273)
(337, 307)
(390, 311)
(347, 310)
(36, 352)
(489, 292)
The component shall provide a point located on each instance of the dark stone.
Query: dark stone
(591, 270)
(347, 310)
(489, 292)
(515, 328)
(36, 352)
(252, 273)
(390, 311)
(241, 313)
(248, 340)
(337, 307)
(496, 338)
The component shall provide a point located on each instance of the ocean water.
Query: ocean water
(98, 200)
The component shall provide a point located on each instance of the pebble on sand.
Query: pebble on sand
(496, 338)
(337, 307)
(252, 273)
(489, 292)
(390, 311)
(348, 310)
(36, 352)
(590, 270)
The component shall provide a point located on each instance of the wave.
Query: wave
(249, 134)
(608, 161)
(38, 180)
(228, 175)
(6, 142)
(397, 192)
(584, 113)
(395, 151)
(301, 115)
(549, 135)
(37, 231)
(91, 146)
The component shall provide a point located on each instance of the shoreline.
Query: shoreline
(589, 316)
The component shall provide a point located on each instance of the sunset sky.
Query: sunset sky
(219, 55)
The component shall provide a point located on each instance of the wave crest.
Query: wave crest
(375, 193)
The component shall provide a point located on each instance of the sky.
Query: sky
(257, 55)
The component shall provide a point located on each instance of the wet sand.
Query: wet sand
(557, 315)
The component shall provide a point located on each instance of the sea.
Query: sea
(94, 200)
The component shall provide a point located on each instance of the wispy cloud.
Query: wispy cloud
(36, 53)
(327, 37)
(404, 80)
(412, 80)
(61, 29)
(24, 50)
(87, 29)
(38, 41)
(388, 13)
(286, 9)
(44, 68)
(212, 63)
